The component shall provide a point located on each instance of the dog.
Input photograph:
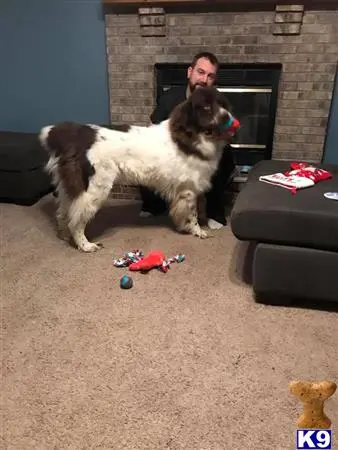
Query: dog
(176, 158)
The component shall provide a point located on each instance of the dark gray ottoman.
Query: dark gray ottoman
(22, 177)
(296, 236)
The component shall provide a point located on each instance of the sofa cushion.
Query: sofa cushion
(272, 214)
(22, 177)
(20, 151)
(292, 272)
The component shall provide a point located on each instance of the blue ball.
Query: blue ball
(126, 282)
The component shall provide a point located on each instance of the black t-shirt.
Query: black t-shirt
(167, 102)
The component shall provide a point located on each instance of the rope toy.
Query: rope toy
(136, 261)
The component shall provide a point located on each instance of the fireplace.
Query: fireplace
(253, 45)
(252, 90)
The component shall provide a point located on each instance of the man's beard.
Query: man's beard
(192, 87)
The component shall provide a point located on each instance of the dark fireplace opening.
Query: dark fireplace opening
(252, 90)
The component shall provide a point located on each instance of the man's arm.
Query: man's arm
(161, 111)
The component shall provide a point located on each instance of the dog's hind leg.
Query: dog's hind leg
(62, 223)
(183, 211)
(81, 211)
(62, 216)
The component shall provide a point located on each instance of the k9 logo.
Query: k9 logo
(314, 439)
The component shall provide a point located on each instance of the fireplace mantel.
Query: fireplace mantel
(212, 5)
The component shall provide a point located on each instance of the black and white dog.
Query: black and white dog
(176, 158)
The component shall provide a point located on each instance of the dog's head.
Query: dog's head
(203, 112)
(199, 119)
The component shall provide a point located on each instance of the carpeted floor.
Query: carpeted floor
(183, 360)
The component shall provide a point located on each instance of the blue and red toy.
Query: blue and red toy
(230, 126)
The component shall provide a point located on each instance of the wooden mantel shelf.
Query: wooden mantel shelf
(228, 4)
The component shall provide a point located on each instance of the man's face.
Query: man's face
(203, 74)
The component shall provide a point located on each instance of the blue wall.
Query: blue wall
(331, 145)
(53, 63)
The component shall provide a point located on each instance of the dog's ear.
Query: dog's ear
(182, 115)
(187, 113)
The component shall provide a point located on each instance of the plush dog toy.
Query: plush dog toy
(153, 259)
(136, 261)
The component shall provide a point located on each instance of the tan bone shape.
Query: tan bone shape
(313, 395)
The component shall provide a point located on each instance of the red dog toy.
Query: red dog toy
(136, 260)
(153, 259)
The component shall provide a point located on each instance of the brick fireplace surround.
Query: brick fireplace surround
(304, 41)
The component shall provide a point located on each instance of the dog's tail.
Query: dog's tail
(51, 166)
(67, 144)
(43, 137)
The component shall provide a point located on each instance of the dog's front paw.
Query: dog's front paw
(91, 247)
(202, 234)
(206, 235)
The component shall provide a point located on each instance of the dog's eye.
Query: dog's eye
(207, 108)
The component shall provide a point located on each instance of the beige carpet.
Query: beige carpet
(183, 360)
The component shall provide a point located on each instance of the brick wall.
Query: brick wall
(307, 46)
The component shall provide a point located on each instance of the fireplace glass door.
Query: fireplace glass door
(252, 90)
(251, 107)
